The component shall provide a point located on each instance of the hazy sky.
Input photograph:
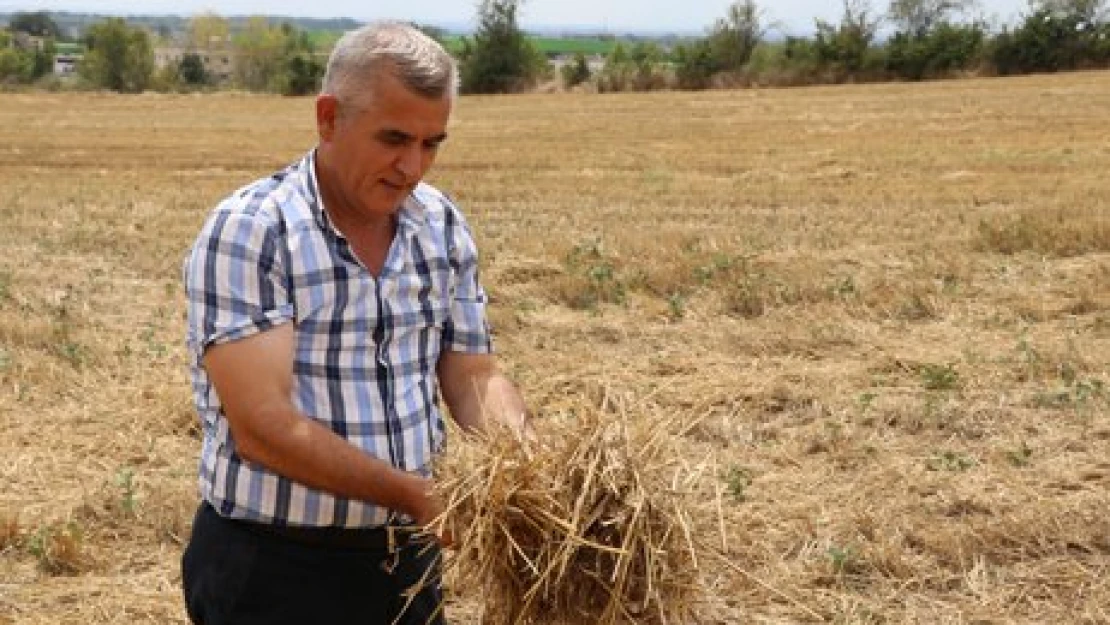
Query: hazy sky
(610, 15)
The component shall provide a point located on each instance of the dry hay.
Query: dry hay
(584, 524)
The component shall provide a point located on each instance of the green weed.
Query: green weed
(953, 461)
(58, 549)
(939, 377)
(737, 481)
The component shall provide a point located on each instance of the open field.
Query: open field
(884, 312)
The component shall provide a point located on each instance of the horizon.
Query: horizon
(615, 17)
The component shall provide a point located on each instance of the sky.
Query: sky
(613, 16)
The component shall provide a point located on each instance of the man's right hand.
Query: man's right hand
(427, 512)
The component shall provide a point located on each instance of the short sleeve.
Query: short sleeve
(234, 280)
(466, 329)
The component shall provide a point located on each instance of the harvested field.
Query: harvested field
(884, 312)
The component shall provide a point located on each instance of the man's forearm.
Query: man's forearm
(493, 396)
(305, 451)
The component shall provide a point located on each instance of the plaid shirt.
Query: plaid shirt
(366, 348)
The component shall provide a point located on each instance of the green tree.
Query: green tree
(15, 66)
(301, 75)
(191, 69)
(918, 17)
(616, 74)
(695, 65)
(734, 37)
(38, 23)
(260, 55)
(499, 58)
(1086, 11)
(42, 61)
(280, 59)
(844, 47)
(577, 71)
(1047, 41)
(942, 49)
(647, 62)
(208, 31)
(119, 57)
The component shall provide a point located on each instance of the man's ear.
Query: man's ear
(327, 115)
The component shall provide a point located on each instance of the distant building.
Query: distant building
(66, 58)
(27, 42)
(218, 57)
(596, 62)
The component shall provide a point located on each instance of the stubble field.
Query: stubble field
(882, 311)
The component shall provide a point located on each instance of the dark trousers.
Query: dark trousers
(232, 574)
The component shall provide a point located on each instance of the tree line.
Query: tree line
(926, 39)
(259, 55)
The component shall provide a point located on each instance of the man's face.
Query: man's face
(373, 158)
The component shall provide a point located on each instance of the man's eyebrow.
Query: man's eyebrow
(394, 134)
(400, 136)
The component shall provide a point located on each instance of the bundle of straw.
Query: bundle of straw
(585, 524)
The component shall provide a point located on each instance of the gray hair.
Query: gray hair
(361, 56)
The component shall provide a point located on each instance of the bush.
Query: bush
(15, 67)
(695, 65)
(844, 48)
(301, 75)
(936, 53)
(1048, 41)
(577, 71)
(191, 69)
(637, 69)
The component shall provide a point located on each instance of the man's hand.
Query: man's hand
(428, 514)
(474, 389)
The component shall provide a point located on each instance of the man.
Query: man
(329, 306)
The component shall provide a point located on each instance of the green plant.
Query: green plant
(737, 481)
(866, 400)
(499, 57)
(844, 287)
(120, 57)
(747, 300)
(58, 549)
(676, 306)
(577, 71)
(125, 481)
(951, 461)
(5, 286)
(154, 347)
(590, 264)
(1021, 456)
(717, 265)
(845, 560)
(939, 377)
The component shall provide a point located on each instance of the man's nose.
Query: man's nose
(409, 162)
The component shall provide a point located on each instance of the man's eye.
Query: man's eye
(392, 138)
